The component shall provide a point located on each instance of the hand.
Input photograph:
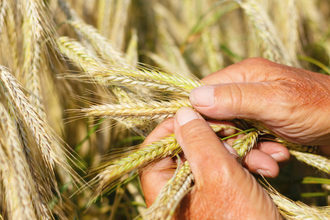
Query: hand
(294, 103)
(223, 188)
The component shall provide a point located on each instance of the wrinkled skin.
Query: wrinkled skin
(294, 103)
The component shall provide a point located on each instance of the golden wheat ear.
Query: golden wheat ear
(50, 148)
(20, 190)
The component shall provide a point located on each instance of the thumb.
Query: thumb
(234, 100)
(201, 146)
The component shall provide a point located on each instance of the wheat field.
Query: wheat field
(82, 83)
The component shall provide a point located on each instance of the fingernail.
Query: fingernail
(278, 156)
(230, 149)
(185, 115)
(202, 96)
(263, 172)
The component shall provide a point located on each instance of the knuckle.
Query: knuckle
(235, 100)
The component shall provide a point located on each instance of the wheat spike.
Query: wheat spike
(150, 110)
(297, 147)
(171, 194)
(122, 77)
(19, 185)
(297, 210)
(99, 43)
(246, 143)
(137, 159)
(3, 11)
(49, 147)
(12, 36)
(317, 161)
(275, 49)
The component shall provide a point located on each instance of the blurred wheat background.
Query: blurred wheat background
(71, 72)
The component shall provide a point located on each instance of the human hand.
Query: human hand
(223, 188)
(293, 103)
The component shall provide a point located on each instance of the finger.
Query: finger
(224, 132)
(248, 70)
(201, 146)
(162, 130)
(325, 150)
(259, 162)
(241, 100)
(277, 151)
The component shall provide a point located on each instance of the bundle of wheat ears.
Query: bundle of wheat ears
(91, 51)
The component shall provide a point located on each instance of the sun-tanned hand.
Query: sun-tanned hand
(293, 103)
(223, 188)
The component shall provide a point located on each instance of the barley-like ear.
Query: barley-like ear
(317, 161)
(150, 110)
(23, 200)
(122, 77)
(3, 11)
(274, 48)
(246, 143)
(297, 147)
(137, 159)
(99, 43)
(48, 145)
(296, 210)
(171, 194)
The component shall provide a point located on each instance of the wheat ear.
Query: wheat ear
(3, 11)
(297, 210)
(266, 31)
(297, 147)
(16, 176)
(111, 76)
(49, 146)
(317, 161)
(246, 143)
(171, 194)
(139, 158)
(151, 110)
